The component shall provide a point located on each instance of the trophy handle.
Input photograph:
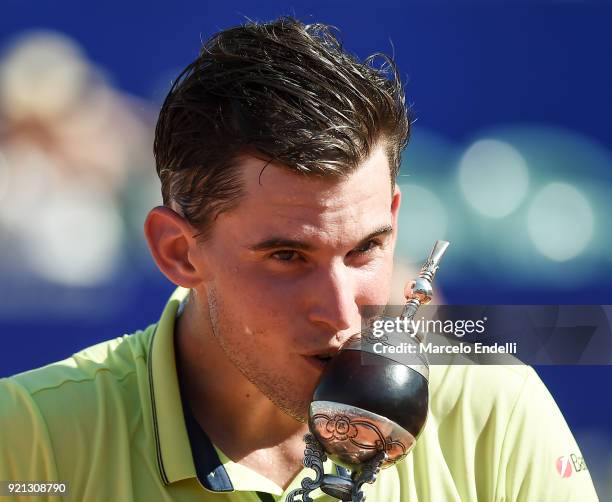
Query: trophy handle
(336, 486)
(314, 457)
(366, 475)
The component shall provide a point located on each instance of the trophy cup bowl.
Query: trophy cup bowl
(367, 403)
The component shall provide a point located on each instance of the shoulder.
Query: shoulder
(509, 430)
(479, 388)
(495, 403)
(65, 404)
(111, 360)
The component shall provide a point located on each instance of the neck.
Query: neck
(243, 422)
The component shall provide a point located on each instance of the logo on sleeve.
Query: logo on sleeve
(566, 465)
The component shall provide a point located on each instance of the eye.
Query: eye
(285, 255)
(367, 246)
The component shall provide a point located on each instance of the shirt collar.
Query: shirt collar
(174, 457)
(183, 449)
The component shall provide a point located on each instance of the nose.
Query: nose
(332, 298)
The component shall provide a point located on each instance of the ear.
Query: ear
(395, 205)
(170, 239)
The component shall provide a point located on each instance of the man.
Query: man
(277, 153)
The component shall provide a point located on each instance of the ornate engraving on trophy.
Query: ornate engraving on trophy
(363, 434)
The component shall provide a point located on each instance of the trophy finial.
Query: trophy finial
(419, 292)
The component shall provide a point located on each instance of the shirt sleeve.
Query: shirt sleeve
(25, 447)
(541, 458)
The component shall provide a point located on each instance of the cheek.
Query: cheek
(253, 303)
(260, 292)
(245, 279)
(375, 282)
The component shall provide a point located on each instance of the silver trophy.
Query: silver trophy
(370, 405)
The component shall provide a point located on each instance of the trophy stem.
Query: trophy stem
(339, 487)
(420, 291)
(314, 457)
(366, 475)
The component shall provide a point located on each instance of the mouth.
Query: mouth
(320, 361)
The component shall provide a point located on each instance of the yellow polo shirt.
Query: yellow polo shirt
(110, 422)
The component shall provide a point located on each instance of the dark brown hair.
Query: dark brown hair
(283, 90)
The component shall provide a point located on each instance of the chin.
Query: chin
(303, 419)
(298, 410)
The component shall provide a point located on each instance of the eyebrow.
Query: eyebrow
(283, 242)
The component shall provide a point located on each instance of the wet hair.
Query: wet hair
(283, 91)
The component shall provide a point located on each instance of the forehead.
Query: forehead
(278, 200)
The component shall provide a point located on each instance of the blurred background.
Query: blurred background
(510, 160)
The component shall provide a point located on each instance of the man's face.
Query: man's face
(290, 267)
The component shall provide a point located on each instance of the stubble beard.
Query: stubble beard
(277, 390)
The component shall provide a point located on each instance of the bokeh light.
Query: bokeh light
(81, 234)
(71, 145)
(493, 177)
(42, 76)
(422, 221)
(560, 221)
(4, 176)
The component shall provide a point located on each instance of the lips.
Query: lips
(322, 358)
(316, 362)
